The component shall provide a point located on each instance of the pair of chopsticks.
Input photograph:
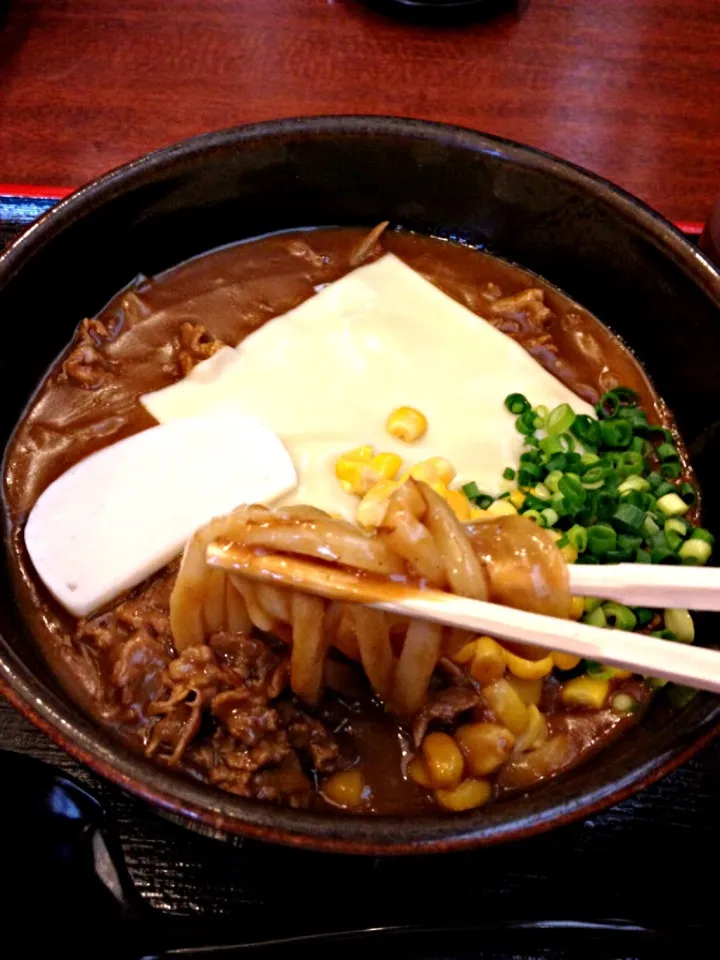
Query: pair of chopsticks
(629, 583)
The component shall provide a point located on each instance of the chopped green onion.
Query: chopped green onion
(541, 491)
(700, 533)
(671, 471)
(552, 480)
(534, 503)
(484, 500)
(643, 556)
(654, 479)
(663, 488)
(633, 482)
(550, 446)
(573, 491)
(663, 635)
(598, 670)
(517, 403)
(471, 490)
(567, 441)
(549, 516)
(601, 538)
(619, 616)
(672, 505)
(681, 624)
(663, 554)
(525, 423)
(608, 406)
(533, 515)
(689, 494)
(560, 420)
(628, 518)
(616, 433)
(695, 550)
(577, 536)
(531, 440)
(650, 527)
(618, 556)
(626, 542)
(591, 603)
(667, 452)
(656, 683)
(508, 473)
(586, 429)
(596, 618)
(562, 542)
(643, 616)
(623, 703)
(679, 695)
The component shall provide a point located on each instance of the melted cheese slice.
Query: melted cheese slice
(123, 513)
(325, 376)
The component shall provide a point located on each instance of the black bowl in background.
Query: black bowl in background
(605, 249)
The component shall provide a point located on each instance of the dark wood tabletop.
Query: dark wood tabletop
(628, 88)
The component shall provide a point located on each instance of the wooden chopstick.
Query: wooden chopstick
(683, 663)
(649, 585)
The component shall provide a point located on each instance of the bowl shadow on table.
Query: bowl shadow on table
(441, 13)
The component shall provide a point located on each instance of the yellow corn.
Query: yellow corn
(517, 498)
(465, 654)
(619, 674)
(565, 661)
(373, 506)
(459, 504)
(443, 759)
(345, 789)
(432, 470)
(488, 662)
(406, 423)
(506, 706)
(466, 796)
(417, 771)
(485, 746)
(360, 453)
(590, 692)
(477, 513)
(577, 607)
(535, 732)
(358, 474)
(527, 669)
(529, 691)
(501, 508)
(569, 552)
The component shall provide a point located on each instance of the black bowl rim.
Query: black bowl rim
(222, 813)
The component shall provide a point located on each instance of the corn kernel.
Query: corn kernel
(443, 759)
(488, 662)
(355, 476)
(565, 661)
(577, 607)
(529, 691)
(459, 504)
(590, 692)
(501, 508)
(361, 453)
(432, 470)
(517, 498)
(345, 789)
(386, 466)
(528, 669)
(506, 706)
(535, 732)
(466, 796)
(569, 553)
(464, 654)
(406, 423)
(485, 746)
(477, 513)
(417, 771)
(373, 506)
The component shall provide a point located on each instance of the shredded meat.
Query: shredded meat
(444, 707)
(303, 250)
(85, 367)
(194, 345)
(530, 302)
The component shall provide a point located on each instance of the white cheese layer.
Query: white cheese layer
(123, 513)
(325, 376)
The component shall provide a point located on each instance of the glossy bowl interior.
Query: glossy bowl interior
(606, 250)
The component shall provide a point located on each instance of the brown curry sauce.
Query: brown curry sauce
(149, 336)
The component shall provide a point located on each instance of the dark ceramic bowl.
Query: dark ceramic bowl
(609, 252)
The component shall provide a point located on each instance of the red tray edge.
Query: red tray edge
(30, 191)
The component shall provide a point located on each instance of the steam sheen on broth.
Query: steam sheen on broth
(234, 701)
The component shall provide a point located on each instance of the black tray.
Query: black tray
(640, 861)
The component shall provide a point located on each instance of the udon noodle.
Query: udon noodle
(507, 559)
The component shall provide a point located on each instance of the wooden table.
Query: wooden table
(627, 88)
